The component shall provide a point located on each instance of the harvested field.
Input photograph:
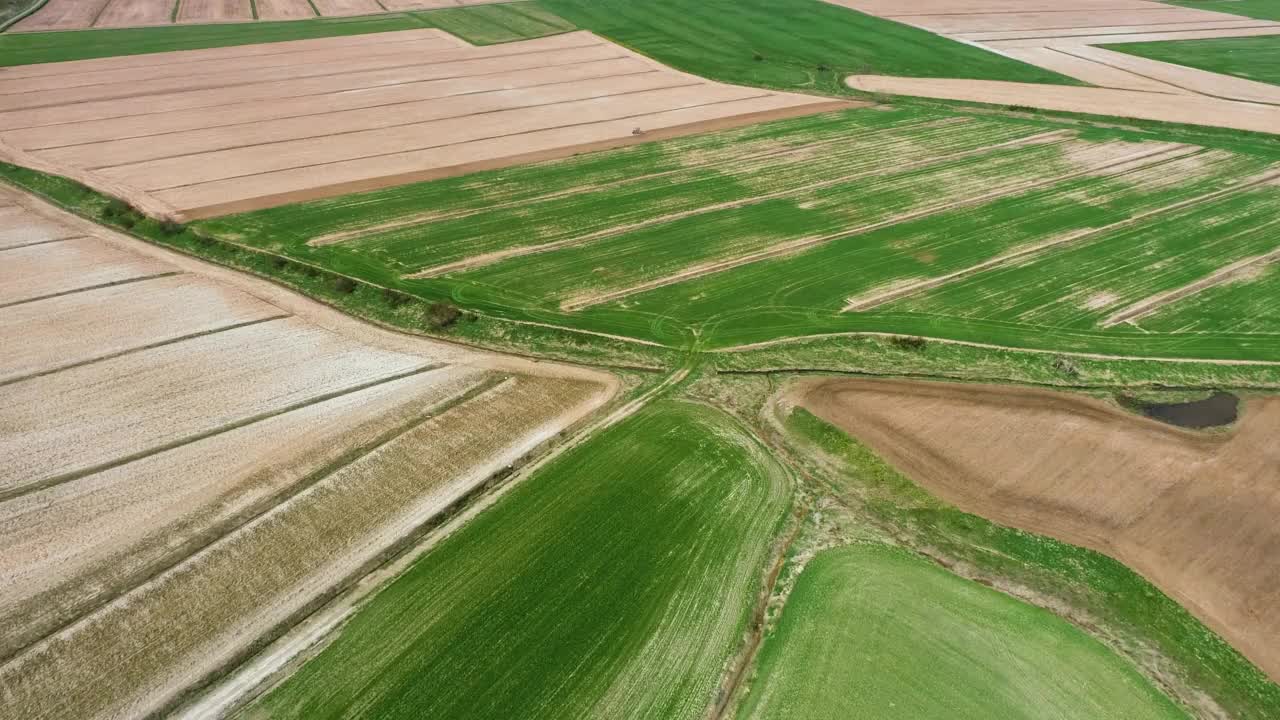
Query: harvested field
(872, 631)
(76, 14)
(284, 9)
(616, 581)
(198, 171)
(260, 445)
(64, 15)
(19, 228)
(1191, 512)
(347, 7)
(1254, 61)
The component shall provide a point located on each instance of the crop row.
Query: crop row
(168, 634)
(615, 582)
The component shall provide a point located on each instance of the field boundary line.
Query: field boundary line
(1173, 81)
(243, 123)
(266, 668)
(883, 298)
(144, 112)
(39, 242)
(21, 490)
(987, 346)
(252, 82)
(99, 286)
(463, 116)
(1046, 138)
(399, 151)
(427, 218)
(140, 348)
(225, 528)
(794, 246)
(1154, 303)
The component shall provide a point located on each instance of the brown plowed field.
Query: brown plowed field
(1194, 513)
(203, 11)
(207, 133)
(133, 13)
(170, 428)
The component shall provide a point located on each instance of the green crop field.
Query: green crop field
(871, 631)
(480, 24)
(616, 582)
(803, 45)
(981, 228)
(1252, 58)
(1261, 9)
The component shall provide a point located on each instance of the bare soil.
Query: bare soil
(251, 128)
(1194, 513)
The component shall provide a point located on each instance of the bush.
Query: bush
(116, 209)
(172, 227)
(393, 298)
(757, 57)
(442, 314)
(344, 285)
(915, 344)
(1065, 366)
(279, 263)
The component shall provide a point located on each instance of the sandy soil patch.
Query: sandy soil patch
(1192, 513)
(290, 130)
(1193, 110)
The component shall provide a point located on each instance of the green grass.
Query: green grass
(615, 220)
(1261, 9)
(1252, 58)
(10, 9)
(872, 631)
(804, 45)
(615, 582)
(481, 25)
(1117, 600)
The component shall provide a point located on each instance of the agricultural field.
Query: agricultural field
(1192, 514)
(1256, 58)
(477, 24)
(210, 139)
(226, 497)
(616, 581)
(804, 227)
(872, 631)
(1260, 9)
(239, 443)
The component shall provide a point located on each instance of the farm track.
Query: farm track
(790, 247)
(883, 298)
(491, 258)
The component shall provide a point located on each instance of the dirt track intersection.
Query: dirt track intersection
(192, 134)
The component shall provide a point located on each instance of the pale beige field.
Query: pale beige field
(77, 14)
(200, 133)
(196, 459)
(1192, 512)
(1062, 37)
